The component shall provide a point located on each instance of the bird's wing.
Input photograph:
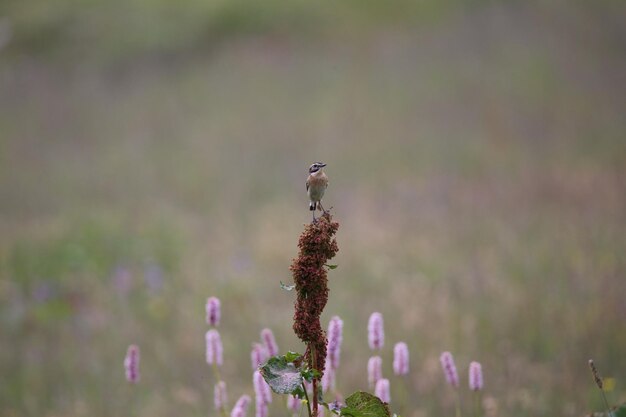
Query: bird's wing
(307, 184)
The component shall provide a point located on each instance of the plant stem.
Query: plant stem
(606, 403)
(314, 366)
(477, 403)
(458, 403)
(308, 403)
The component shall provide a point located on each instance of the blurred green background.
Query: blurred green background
(153, 153)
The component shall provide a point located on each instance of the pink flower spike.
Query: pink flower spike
(213, 311)
(475, 376)
(258, 355)
(293, 403)
(219, 395)
(262, 391)
(261, 408)
(400, 359)
(335, 337)
(214, 349)
(328, 380)
(374, 370)
(267, 337)
(449, 369)
(382, 390)
(131, 363)
(241, 406)
(375, 332)
(320, 411)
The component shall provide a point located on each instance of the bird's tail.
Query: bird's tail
(312, 205)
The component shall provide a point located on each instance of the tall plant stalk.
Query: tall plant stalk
(317, 245)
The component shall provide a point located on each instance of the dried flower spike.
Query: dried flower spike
(449, 369)
(382, 390)
(267, 337)
(241, 407)
(401, 359)
(374, 370)
(213, 311)
(596, 374)
(375, 331)
(219, 395)
(131, 363)
(214, 349)
(335, 337)
(475, 376)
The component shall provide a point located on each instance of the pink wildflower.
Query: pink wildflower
(382, 390)
(267, 337)
(214, 349)
(375, 332)
(213, 311)
(261, 408)
(374, 370)
(475, 376)
(131, 363)
(241, 407)
(258, 355)
(449, 369)
(261, 389)
(400, 359)
(293, 403)
(219, 395)
(328, 379)
(335, 330)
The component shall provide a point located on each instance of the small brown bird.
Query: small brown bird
(316, 185)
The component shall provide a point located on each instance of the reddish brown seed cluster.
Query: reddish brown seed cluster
(317, 245)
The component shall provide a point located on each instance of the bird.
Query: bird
(316, 185)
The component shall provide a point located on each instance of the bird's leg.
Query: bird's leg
(314, 219)
(323, 209)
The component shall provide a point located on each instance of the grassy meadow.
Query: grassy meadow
(154, 155)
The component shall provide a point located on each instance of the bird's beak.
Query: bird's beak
(322, 165)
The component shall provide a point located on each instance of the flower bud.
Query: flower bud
(375, 331)
(449, 369)
(261, 389)
(267, 337)
(213, 313)
(258, 355)
(335, 337)
(401, 359)
(382, 390)
(374, 370)
(131, 363)
(214, 349)
(475, 376)
(241, 407)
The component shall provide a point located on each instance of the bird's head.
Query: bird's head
(316, 166)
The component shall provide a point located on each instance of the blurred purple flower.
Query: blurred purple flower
(449, 369)
(214, 348)
(241, 406)
(219, 395)
(375, 331)
(131, 364)
(374, 370)
(335, 337)
(261, 408)
(400, 359)
(267, 337)
(293, 403)
(213, 311)
(262, 391)
(258, 355)
(328, 379)
(475, 376)
(382, 390)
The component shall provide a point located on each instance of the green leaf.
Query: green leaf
(332, 266)
(287, 287)
(621, 411)
(281, 375)
(309, 374)
(362, 404)
(292, 356)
